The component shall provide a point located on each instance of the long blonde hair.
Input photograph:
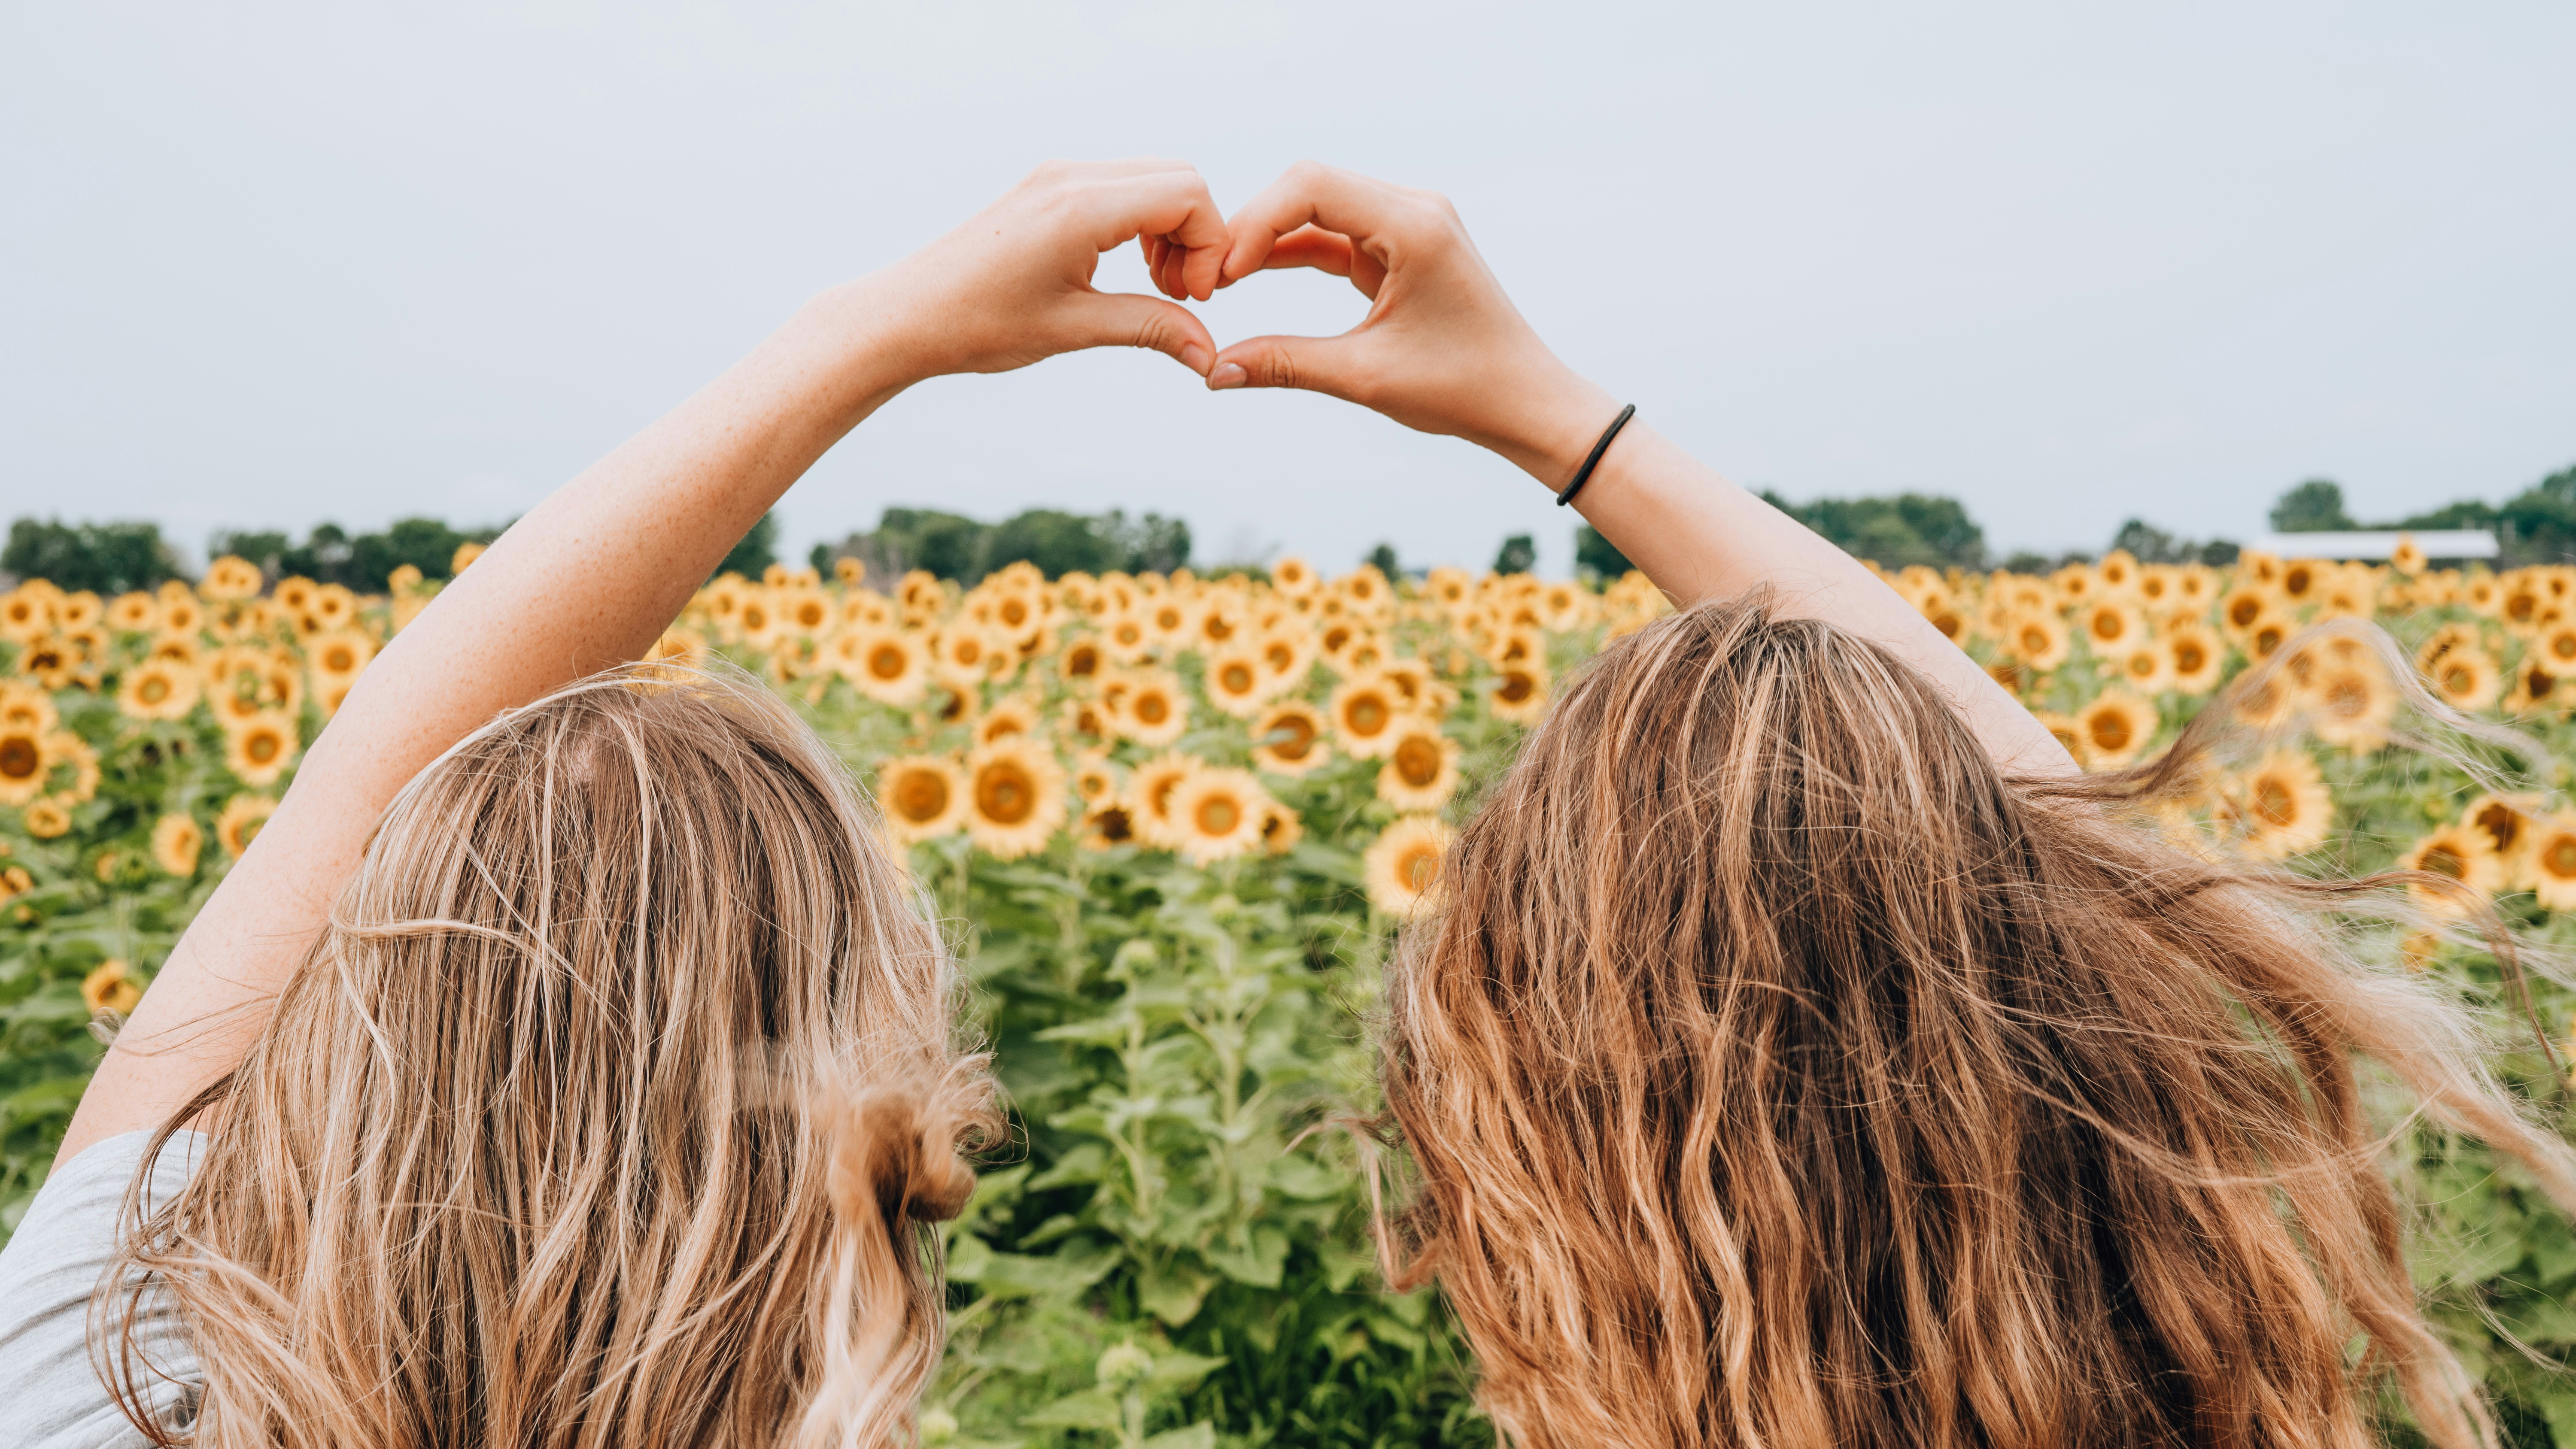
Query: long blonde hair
(1782, 1074)
(603, 1111)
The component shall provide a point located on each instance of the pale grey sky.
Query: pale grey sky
(262, 265)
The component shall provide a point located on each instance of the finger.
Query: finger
(1174, 205)
(1131, 319)
(1334, 366)
(1308, 193)
(1325, 251)
(1312, 246)
(1157, 250)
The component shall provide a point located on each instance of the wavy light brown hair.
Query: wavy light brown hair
(599, 1114)
(1780, 1073)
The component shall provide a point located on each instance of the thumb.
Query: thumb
(1127, 319)
(1328, 365)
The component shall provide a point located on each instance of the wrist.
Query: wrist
(1553, 427)
(867, 336)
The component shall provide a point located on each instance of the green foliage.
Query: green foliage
(1909, 528)
(753, 553)
(1383, 559)
(953, 546)
(2315, 506)
(2149, 544)
(331, 554)
(1174, 1249)
(2537, 525)
(106, 558)
(1596, 555)
(1518, 555)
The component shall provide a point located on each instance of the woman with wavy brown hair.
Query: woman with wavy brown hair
(1804, 1053)
(577, 1076)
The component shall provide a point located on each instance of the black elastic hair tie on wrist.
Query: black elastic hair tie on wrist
(1583, 474)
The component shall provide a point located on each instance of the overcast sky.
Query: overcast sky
(264, 265)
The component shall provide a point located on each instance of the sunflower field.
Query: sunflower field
(1173, 825)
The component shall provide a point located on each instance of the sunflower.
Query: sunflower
(1154, 710)
(2036, 639)
(923, 796)
(2458, 855)
(2282, 806)
(1421, 769)
(464, 557)
(2110, 626)
(1006, 718)
(1087, 724)
(240, 823)
(134, 612)
(2141, 667)
(1125, 636)
(2483, 593)
(2074, 584)
(1364, 712)
(2556, 647)
(1108, 825)
(1293, 575)
(2266, 638)
(1168, 621)
(1081, 660)
(2301, 580)
(1288, 738)
(108, 987)
(2115, 727)
(158, 691)
(2009, 674)
(50, 660)
(1015, 797)
(1520, 693)
(1217, 813)
(1281, 829)
(2351, 704)
(2553, 862)
(78, 611)
(47, 819)
(1286, 654)
(176, 839)
(334, 607)
(230, 578)
(2243, 609)
(259, 749)
(885, 664)
(1236, 682)
(1403, 868)
(23, 763)
(339, 654)
(2193, 660)
(27, 707)
(2465, 677)
(1150, 787)
(1220, 624)
(1095, 780)
(2507, 825)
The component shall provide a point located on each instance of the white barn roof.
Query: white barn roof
(2435, 542)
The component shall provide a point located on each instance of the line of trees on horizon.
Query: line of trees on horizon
(2537, 525)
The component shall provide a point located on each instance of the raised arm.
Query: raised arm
(1443, 350)
(592, 575)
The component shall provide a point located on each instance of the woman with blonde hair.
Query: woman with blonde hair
(566, 1063)
(1805, 1054)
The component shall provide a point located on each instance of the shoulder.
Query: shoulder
(48, 1272)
